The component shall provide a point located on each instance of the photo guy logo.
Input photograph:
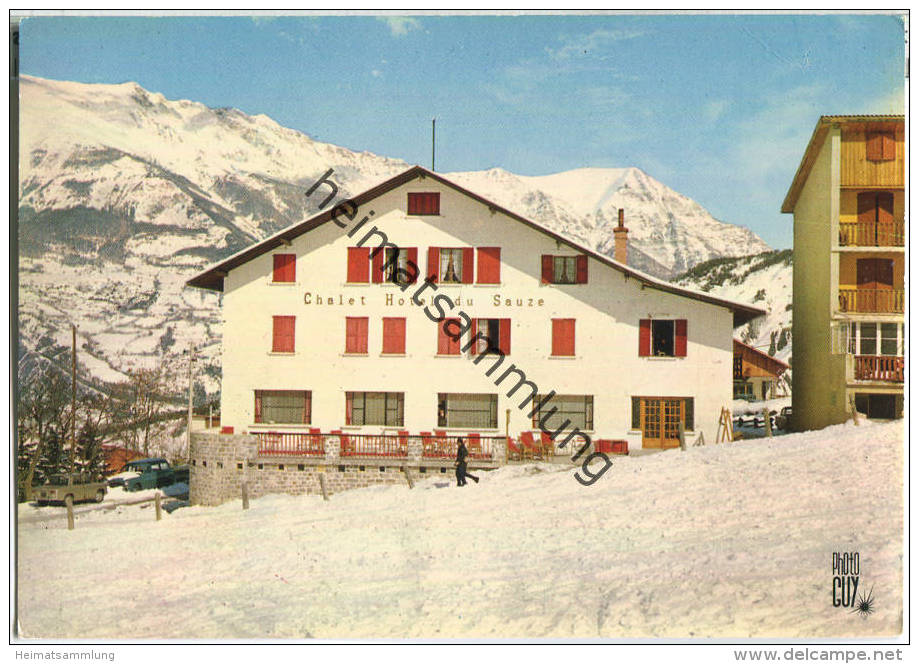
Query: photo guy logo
(436, 311)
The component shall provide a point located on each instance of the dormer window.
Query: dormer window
(426, 203)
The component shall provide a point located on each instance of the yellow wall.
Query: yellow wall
(818, 393)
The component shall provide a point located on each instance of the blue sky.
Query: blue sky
(719, 107)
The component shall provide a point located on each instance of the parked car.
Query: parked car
(153, 473)
(79, 486)
(783, 419)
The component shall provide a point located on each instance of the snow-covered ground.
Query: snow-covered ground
(732, 540)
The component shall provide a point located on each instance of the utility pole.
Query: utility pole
(433, 140)
(73, 401)
(191, 359)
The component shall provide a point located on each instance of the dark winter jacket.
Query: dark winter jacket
(461, 453)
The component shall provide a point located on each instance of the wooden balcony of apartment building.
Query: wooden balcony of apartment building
(871, 234)
(878, 368)
(871, 300)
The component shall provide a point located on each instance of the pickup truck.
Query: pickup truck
(153, 473)
(78, 486)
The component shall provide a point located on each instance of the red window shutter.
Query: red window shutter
(644, 337)
(356, 335)
(563, 337)
(547, 269)
(349, 405)
(468, 260)
(489, 265)
(285, 266)
(446, 345)
(394, 335)
(873, 147)
(358, 265)
(504, 335)
(282, 334)
(258, 406)
(679, 345)
(888, 146)
(424, 203)
(307, 407)
(582, 269)
(411, 255)
(433, 263)
(376, 272)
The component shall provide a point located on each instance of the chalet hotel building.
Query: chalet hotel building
(320, 333)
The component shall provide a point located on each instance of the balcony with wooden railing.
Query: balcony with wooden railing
(873, 234)
(871, 300)
(881, 368)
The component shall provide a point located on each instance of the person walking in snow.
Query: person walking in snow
(461, 454)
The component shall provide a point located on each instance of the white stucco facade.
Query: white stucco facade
(607, 310)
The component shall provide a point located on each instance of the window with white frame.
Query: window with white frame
(451, 266)
(873, 338)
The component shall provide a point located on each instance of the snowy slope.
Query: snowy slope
(742, 548)
(124, 195)
(765, 280)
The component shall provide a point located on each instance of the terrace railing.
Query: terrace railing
(873, 234)
(887, 368)
(384, 445)
(871, 300)
(271, 443)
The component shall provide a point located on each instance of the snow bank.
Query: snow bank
(726, 541)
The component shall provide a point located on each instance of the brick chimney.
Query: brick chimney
(621, 237)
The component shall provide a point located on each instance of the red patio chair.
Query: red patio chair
(316, 441)
(427, 444)
(347, 447)
(474, 445)
(513, 450)
(530, 448)
(403, 443)
(548, 445)
(441, 443)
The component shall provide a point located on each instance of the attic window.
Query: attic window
(427, 203)
(880, 146)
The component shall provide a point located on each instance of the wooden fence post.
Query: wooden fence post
(68, 501)
(325, 493)
(408, 478)
(159, 508)
(682, 430)
(245, 489)
(767, 422)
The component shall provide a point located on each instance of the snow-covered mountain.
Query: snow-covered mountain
(125, 194)
(764, 280)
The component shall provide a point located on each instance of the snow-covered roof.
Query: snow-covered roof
(212, 277)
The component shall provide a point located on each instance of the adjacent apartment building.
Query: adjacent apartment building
(324, 333)
(847, 198)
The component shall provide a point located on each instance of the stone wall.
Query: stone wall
(220, 463)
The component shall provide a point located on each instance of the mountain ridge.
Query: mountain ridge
(121, 188)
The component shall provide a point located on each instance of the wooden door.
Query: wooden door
(660, 422)
(874, 277)
(875, 219)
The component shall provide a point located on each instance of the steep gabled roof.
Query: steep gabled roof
(813, 147)
(212, 277)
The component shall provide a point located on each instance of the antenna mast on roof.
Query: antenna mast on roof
(433, 139)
